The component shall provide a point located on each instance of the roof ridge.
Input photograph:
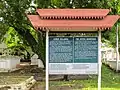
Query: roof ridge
(72, 13)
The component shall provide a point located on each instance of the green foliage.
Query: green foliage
(111, 36)
(12, 39)
(72, 3)
(90, 3)
(13, 12)
(34, 33)
(14, 15)
(43, 3)
(3, 30)
(61, 3)
(114, 5)
(15, 43)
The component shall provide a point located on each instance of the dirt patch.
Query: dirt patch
(39, 86)
(5, 80)
(70, 77)
(61, 88)
(21, 75)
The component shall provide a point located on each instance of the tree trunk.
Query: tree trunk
(37, 47)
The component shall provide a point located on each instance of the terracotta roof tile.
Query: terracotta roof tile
(78, 25)
(72, 13)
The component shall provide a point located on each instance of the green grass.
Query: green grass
(110, 81)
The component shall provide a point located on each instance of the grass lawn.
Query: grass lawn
(110, 81)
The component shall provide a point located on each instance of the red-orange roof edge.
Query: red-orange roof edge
(74, 25)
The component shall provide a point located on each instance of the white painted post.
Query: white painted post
(47, 60)
(99, 60)
(117, 51)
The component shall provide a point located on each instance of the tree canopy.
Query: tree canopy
(14, 15)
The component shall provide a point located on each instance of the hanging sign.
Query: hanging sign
(73, 55)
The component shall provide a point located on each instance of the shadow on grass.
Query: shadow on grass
(110, 79)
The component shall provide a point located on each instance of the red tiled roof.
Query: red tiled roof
(72, 13)
(74, 25)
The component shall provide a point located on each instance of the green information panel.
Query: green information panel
(85, 50)
(60, 50)
(73, 49)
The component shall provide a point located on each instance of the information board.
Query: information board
(73, 55)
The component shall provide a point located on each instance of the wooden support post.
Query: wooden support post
(66, 78)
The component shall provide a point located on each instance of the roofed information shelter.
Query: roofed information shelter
(76, 54)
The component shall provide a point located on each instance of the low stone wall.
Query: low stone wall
(112, 64)
(26, 85)
(9, 63)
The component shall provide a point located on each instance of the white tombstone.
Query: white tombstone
(9, 63)
(34, 59)
(35, 56)
(40, 64)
